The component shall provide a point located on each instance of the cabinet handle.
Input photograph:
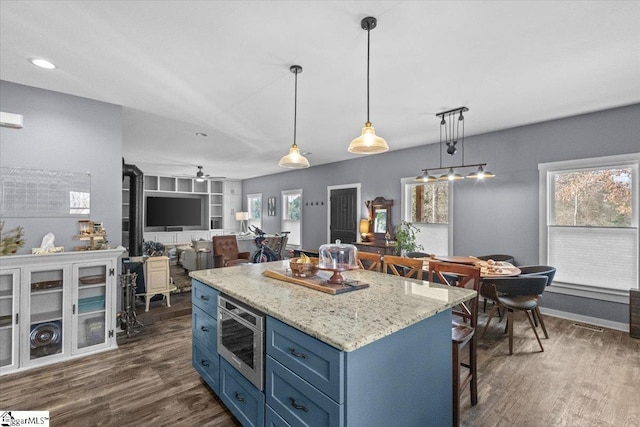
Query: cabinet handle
(204, 363)
(204, 297)
(297, 405)
(238, 397)
(204, 329)
(296, 354)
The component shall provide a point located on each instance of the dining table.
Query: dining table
(488, 269)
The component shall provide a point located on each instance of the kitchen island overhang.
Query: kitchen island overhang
(391, 342)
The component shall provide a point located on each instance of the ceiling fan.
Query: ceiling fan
(201, 176)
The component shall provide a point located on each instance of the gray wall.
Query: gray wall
(65, 133)
(494, 216)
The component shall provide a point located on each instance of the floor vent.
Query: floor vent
(589, 327)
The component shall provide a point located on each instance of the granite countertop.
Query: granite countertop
(346, 321)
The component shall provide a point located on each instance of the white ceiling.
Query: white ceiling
(222, 68)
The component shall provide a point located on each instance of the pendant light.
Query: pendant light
(368, 142)
(294, 159)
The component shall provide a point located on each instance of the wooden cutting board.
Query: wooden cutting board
(318, 282)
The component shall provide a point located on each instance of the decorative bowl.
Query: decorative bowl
(303, 269)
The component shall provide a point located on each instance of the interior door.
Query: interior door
(344, 213)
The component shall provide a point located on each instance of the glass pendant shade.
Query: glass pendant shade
(368, 142)
(294, 159)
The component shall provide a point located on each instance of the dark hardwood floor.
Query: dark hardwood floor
(583, 378)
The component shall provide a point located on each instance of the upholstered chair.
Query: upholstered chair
(225, 252)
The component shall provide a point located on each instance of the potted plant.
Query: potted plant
(406, 238)
(11, 241)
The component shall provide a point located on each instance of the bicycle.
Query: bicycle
(264, 252)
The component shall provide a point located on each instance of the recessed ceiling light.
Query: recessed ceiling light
(42, 63)
(201, 134)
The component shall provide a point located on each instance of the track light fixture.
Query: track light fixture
(452, 133)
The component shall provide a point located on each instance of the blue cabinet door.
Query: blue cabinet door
(314, 361)
(242, 398)
(207, 364)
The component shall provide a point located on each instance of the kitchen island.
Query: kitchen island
(378, 356)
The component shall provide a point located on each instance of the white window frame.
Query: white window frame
(253, 221)
(546, 172)
(423, 235)
(294, 227)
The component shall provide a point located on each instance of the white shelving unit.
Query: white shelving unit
(222, 199)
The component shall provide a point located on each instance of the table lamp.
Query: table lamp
(364, 229)
(242, 217)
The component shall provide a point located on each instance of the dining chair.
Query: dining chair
(520, 293)
(403, 266)
(462, 334)
(539, 270)
(372, 261)
(417, 255)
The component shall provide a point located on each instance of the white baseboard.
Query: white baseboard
(586, 319)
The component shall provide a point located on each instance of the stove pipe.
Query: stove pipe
(136, 193)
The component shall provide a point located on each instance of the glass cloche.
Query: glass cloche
(337, 257)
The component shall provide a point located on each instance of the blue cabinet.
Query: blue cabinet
(207, 364)
(304, 378)
(242, 398)
(204, 324)
(312, 360)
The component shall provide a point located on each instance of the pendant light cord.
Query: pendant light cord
(295, 109)
(368, 55)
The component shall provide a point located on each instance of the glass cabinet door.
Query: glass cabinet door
(9, 287)
(89, 308)
(45, 312)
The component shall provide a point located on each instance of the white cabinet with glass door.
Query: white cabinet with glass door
(9, 288)
(43, 327)
(94, 291)
(56, 306)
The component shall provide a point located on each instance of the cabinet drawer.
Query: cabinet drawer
(272, 419)
(298, 403)
(205, 297)
(207, 364)
(314, 361)
(244, 400)
(204, 329)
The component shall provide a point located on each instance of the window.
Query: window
(254, 206)
(589, 225)
(292, 215)
(427, 207)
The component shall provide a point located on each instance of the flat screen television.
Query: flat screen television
(173, 211)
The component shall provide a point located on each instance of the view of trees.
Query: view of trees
(255, 210)
(599, 198)
(293, 207)
(430, 203)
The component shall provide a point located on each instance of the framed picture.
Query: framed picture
(271, 206)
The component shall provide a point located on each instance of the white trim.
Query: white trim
(404, 207)
(604, 294)
(546, 170)
(358, 187)
(294, 192)
(609, 324)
